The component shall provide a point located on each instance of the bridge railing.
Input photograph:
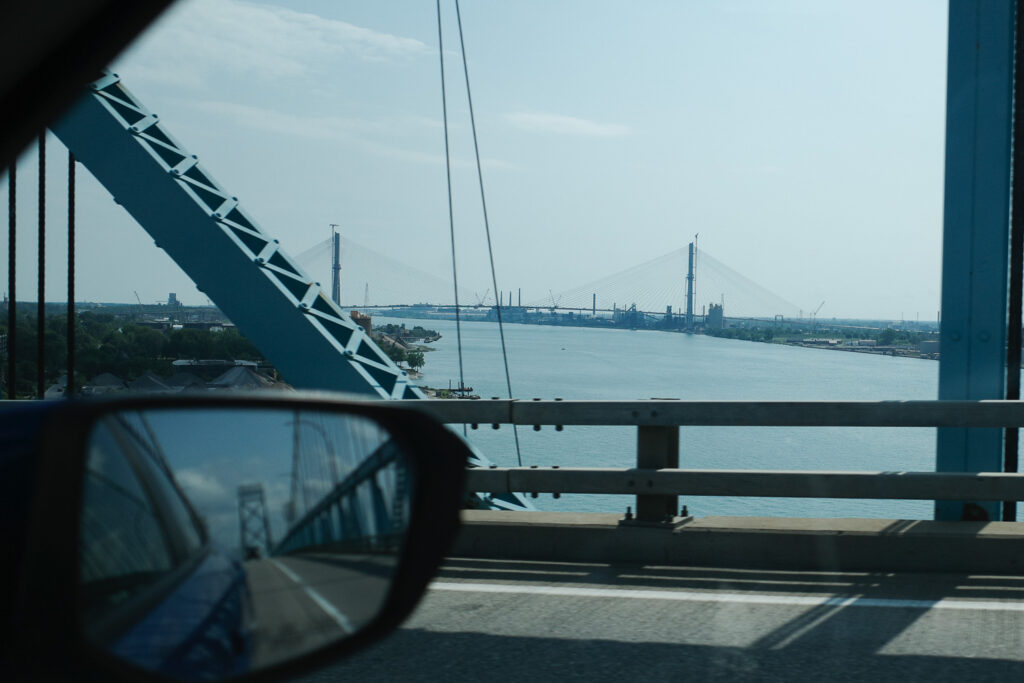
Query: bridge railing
(657, 480)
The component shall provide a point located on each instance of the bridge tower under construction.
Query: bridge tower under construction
(689, 290)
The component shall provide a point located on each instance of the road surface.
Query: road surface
(535, 621)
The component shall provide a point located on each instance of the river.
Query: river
(584, 363)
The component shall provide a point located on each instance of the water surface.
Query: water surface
(585, 363)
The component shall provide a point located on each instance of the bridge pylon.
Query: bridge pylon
(253, 521)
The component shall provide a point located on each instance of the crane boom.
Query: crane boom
(222, 248)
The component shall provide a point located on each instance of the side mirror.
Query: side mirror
(209, 537)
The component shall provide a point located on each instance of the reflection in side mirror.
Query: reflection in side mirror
(222, 540)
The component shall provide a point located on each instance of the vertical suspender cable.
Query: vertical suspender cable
(1013, 339)
(487, 226)
(451, 213)
(12, 305)
(41, 302)
(71, 275)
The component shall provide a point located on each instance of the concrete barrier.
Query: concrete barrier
(875, 545)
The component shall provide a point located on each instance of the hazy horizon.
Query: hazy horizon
(803, 141)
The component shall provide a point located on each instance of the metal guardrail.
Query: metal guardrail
(728, 413)
(764, 483)
(656, 481)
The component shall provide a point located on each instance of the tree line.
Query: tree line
(104, 343)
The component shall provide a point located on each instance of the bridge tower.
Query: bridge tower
(336, 266)
(253, 521)
(689, 290)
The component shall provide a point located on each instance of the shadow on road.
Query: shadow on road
(419, 655)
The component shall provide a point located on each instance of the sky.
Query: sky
(803, 140)
(214, 451)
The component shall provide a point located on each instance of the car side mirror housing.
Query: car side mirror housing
(218, 537)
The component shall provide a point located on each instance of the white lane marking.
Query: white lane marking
(321, 602)
(741, 598)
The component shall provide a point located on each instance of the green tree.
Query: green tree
(886, 337)
(395, 353)
(414, 359)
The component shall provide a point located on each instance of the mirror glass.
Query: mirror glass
(216, 541)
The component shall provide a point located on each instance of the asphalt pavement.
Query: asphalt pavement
(301, 603)
(541, 621)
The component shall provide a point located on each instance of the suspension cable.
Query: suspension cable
(41, 303)
(12, 302)
(70, 390)
(487, 225)
(451, 212)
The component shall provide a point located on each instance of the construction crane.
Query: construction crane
(554, 304)
(142, 310)
(814, 316)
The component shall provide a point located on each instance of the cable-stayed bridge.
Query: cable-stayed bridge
(371, 279)
(661, 282)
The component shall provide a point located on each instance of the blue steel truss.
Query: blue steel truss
(221, 247)
(343, 519)
(205, 230)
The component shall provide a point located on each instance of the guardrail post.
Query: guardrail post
(656, 448)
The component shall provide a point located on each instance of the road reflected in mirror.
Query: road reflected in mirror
(216, 541)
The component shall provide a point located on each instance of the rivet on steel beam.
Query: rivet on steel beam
(536, 399)
(558, 398)
(474, 426)
(494, 467)
(654, 413)
(534, 494)
(559, 428)
(260, 260)
(554, 467)
(536, 428)
(556, 495)
(495, 425)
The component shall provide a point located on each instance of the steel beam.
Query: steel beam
(656, 483)
(205, 230)
(976, 230)
(994, 413)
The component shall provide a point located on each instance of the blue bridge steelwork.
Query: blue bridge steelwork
(367, 511)
(307, 336)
